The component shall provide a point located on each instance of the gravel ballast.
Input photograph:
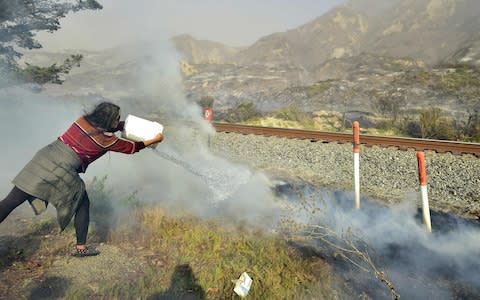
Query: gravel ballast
(387, 174)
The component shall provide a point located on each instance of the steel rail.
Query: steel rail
(401, 143)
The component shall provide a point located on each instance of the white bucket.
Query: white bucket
(138, 130)
(242, 285)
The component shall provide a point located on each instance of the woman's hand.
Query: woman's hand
(157, 139)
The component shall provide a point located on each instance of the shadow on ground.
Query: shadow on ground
(19, 248)
(49, 288)
(183, 285)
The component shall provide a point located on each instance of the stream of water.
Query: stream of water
(222, 178)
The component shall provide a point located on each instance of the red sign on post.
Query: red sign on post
(356, 137)
(422, 170)
(208, 114)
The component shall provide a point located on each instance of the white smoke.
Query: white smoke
(182, 172)
(421, 265)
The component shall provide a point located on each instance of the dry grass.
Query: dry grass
(199, 259)
(321, 121)
(184, 257)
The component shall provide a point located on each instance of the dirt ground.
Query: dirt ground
(35, 260)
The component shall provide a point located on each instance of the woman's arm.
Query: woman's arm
(129, 147)
(157, 139)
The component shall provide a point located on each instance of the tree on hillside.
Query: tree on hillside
(464, 84)
(389, 102)
(206, 101)
(19, 22)
(242, 112)
(348, 94)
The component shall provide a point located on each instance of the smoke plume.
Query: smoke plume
(181, 172)
(421, 265)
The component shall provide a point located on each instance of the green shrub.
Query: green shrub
(472, 133)
(51, 74)
(462, 77)
(242, 112)
(434, 125)
(103, 212)
(206, 101)
(100, 201)
(468, 130)
(316, 89)
(290, 113)
(430, 124)
(411, 128)
(424, 77)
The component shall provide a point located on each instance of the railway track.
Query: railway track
(401, 143)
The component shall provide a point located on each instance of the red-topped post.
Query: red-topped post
(208, 114)
(356, 162)
(422, 177)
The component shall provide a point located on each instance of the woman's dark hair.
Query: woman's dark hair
(103, 115)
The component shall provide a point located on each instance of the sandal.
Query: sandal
(85, 252)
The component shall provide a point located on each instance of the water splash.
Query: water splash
(222, 177)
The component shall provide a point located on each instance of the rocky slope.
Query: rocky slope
(363, 47)
(343, 60)
(428, 30)
(467, 55)
(202, 51)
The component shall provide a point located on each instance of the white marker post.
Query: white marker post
(422, 176)
(356, 162)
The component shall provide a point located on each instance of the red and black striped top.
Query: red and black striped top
(89, 144)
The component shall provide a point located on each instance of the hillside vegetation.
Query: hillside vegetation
(391, 110)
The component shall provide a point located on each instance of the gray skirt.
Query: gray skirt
(52, 177)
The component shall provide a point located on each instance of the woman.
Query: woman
(52, 174)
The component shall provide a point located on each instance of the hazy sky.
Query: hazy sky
(233, 22)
